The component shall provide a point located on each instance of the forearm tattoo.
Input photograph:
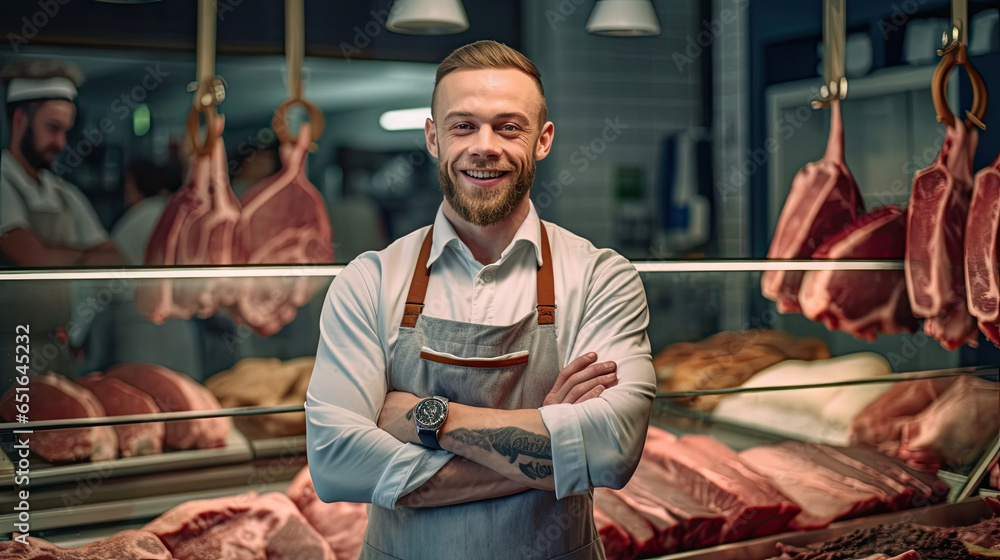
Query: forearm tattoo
(509, 442)
(535, 470)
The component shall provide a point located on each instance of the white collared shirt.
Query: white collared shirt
(19, 194)
(601, 307)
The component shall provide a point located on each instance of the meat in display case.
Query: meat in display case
(758, 434)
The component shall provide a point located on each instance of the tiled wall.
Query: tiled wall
(730, 82)
(617, 96)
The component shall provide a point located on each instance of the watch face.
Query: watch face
(430, 413)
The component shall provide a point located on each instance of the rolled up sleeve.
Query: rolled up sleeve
(350, 458)
(599, 442)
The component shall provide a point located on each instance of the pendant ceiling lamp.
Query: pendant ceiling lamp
(623, 18)
(427, 17)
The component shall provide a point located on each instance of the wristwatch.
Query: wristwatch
(429, 415)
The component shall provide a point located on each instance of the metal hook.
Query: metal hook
(957, 55)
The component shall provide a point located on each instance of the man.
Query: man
(44, 221)
(524, 420)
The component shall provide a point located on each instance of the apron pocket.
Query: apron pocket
(507, 360)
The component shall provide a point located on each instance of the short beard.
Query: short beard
(486, 208)
(35, 159)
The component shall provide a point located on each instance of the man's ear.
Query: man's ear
(544, 143)
(19, 124)
(430, 135)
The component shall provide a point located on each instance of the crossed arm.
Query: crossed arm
(497, 452)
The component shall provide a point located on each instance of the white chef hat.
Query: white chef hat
(41, 78)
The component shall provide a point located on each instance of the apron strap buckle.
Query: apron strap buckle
(411, 313)
(546, 314)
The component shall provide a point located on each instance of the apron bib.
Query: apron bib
(487, 367)
(43, 305)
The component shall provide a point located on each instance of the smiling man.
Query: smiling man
(479, 377)
(44, 221)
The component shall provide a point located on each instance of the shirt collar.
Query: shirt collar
(16, 171)
(528, 232)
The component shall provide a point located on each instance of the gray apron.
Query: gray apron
(532, 524)
(43, 305)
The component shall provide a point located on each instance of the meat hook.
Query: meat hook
(957, 55)
(834, 40)
(954, 53)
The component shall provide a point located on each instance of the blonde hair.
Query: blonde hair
(483, 55)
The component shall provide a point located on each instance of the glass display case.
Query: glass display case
(223, 404)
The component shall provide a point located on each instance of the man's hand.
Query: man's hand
(581, 380)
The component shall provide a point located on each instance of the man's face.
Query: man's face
(487, 137)
(44, 135)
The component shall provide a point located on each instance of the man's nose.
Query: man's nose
(61, 140)
(487, 144)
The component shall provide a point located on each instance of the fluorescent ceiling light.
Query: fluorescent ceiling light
(427, 17)
(405, 119)
(623, 18)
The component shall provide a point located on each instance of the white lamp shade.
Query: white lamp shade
(427, 17)
(623, 18)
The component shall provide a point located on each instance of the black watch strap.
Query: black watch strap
(429, 438)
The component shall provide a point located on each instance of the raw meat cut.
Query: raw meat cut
(283, 221)
(615, 539)
(982, 269)
(265, 382)
(244, 526)
(196, 228)
(641, 536)
(53, 397)
(124, 545)
(880, 425)
(833, 297)
(955, 429)
(752, 506)
(701, 526)
(935, 226)
(120, 399)
(824, 198)
(175, 392)
(929, 488)
(668, 532)
(824, 495)
(341, 524)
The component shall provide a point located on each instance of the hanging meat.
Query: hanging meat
(833, 297)
(982, 269)
(935, 253)
(824, 198)
(196, 228)
(283, 221)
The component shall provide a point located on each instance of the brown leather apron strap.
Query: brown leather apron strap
(418, 284)
(546, 285)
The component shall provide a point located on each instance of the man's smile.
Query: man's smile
(484, 177)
